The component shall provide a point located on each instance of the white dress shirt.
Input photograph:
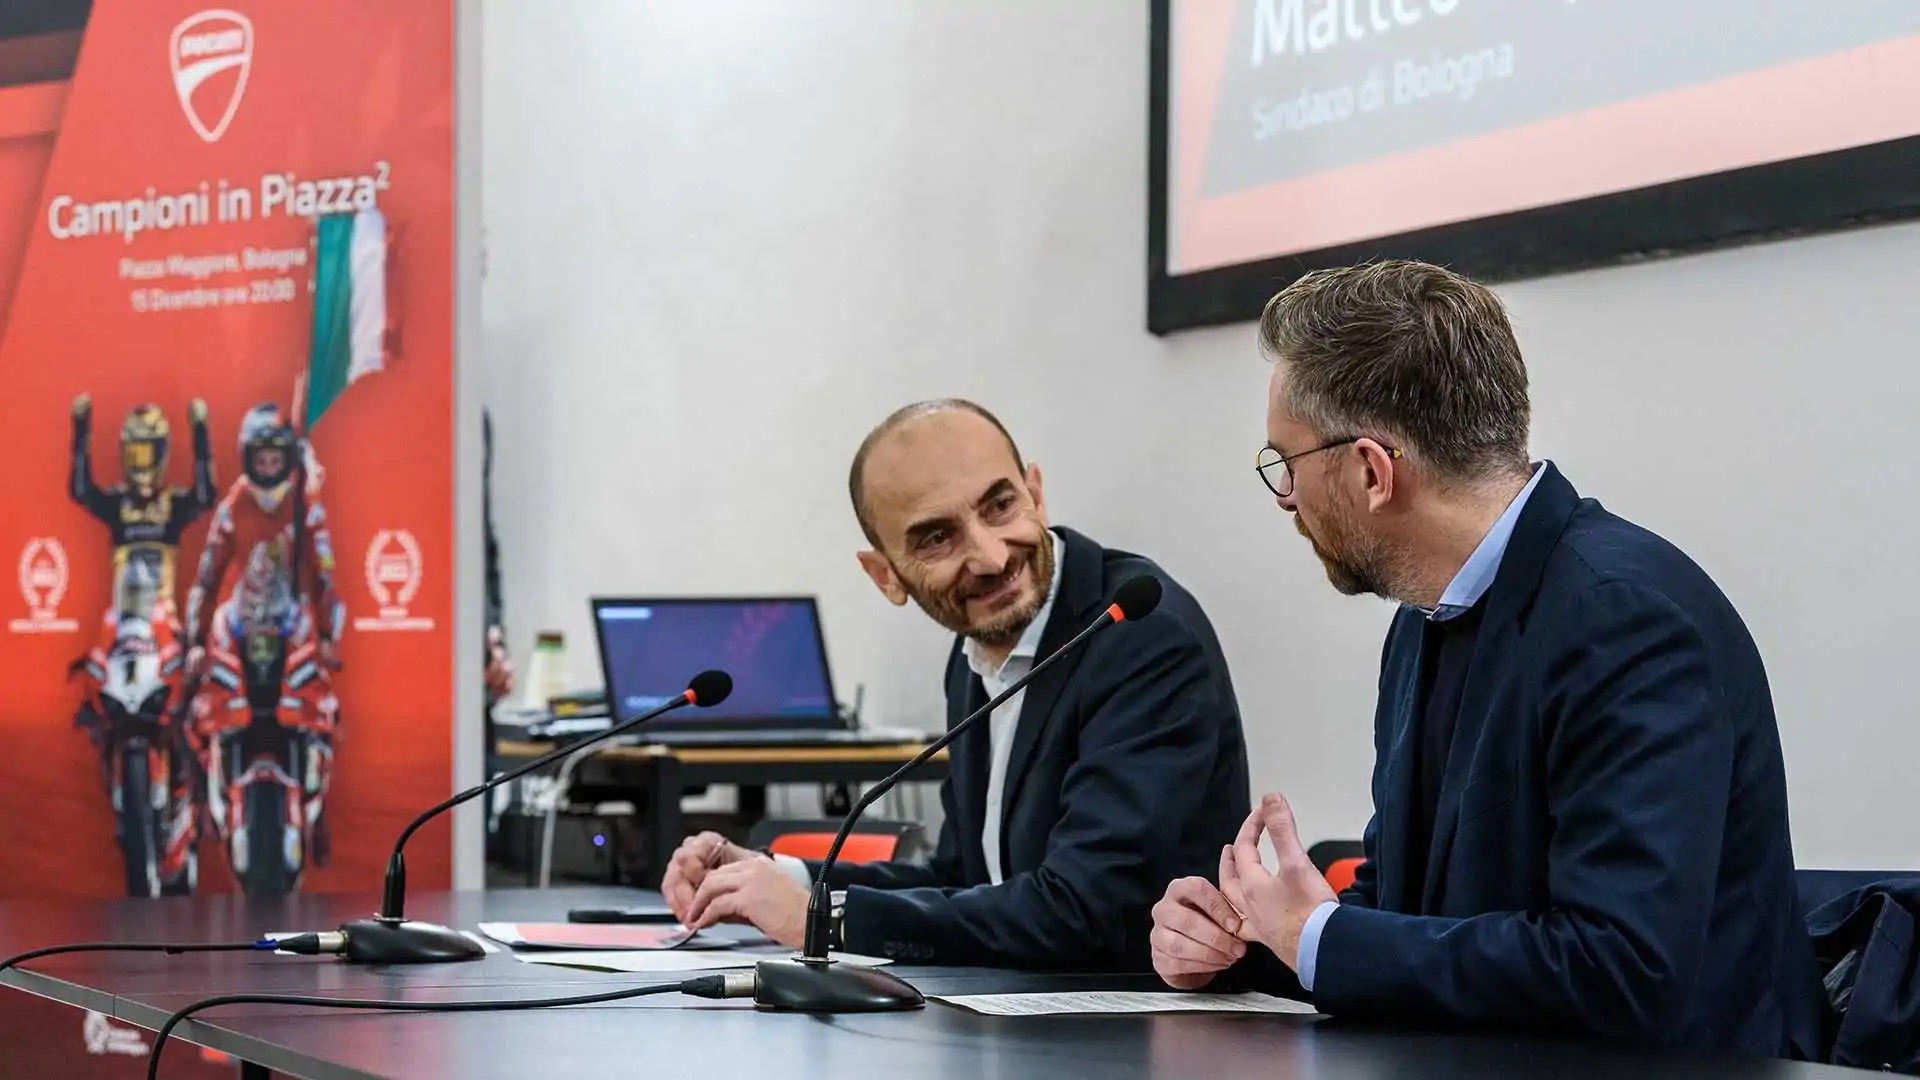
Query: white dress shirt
(1001, 726)
(1005, 720)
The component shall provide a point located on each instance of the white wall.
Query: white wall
(469, 838)
(723, 239)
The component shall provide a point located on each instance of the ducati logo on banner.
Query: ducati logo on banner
(204, 46)
(43, 584)
(393, 571)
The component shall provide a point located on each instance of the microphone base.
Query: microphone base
(800, 984)
(398, 941)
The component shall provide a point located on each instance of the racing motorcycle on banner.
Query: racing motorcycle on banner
(267, 716)
(131, 692)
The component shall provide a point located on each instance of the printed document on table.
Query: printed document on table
(1122, 1002)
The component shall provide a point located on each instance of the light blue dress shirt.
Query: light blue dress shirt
(1465, 590)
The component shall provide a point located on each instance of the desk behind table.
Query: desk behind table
(654, 777)
(673, 1036)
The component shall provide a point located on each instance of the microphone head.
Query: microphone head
(1135, 598)
(710, 687)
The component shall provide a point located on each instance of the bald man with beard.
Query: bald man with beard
(1113, 772)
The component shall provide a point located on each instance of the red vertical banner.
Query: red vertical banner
(226, 334)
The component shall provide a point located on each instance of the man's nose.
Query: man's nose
(987, 553)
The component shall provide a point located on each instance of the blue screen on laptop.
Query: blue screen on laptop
(772, 648)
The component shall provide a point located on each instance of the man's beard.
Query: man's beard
(1003, 627)
(1355, 566)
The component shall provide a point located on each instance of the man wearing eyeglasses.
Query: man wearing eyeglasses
(1081, 795)
(1580, 810)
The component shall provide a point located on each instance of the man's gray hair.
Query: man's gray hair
(1407, 351)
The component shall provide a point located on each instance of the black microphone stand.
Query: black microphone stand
(813, 981)
(391, 938)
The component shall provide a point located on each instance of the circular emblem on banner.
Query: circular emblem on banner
(43, 576)
(393, 569)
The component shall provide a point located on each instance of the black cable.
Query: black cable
(172, 948)
(708, 986)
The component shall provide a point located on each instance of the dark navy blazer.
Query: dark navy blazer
(1610, 852)
(1128, 769)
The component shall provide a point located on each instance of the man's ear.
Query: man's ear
(884, 579)
(1037, 490)
(1381, 466)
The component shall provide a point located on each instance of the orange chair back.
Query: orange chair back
(859, 848)
(1340, 873)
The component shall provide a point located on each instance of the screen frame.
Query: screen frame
(1868, 185)
(690, 719)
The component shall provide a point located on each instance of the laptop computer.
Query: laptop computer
(772, 646)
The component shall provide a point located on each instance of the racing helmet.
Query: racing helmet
(267, 449)
(143, 447)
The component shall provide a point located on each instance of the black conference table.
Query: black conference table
(674, 1036)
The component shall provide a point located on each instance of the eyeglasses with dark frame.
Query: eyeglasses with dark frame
(1269, 458)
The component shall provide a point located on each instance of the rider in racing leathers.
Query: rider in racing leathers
(145, 519)
(257, 520)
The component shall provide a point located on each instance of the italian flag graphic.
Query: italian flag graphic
(352, 337)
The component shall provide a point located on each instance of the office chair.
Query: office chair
(870, 841)
(1337, 860)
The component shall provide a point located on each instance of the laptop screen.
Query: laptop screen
(772, 647)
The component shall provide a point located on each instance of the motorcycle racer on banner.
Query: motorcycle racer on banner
(144, 517)
(266, 719)
(131, 678)
(131, 697)
(272, 518)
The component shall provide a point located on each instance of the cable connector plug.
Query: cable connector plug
(326, 942)
(730, 984)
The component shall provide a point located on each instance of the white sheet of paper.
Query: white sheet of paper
(509, 934)
(655, 960)
(1121, 1002)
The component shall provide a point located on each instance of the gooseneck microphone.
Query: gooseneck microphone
(812, 981)
(389, 938)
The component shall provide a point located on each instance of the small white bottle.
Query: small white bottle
(547, 669)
